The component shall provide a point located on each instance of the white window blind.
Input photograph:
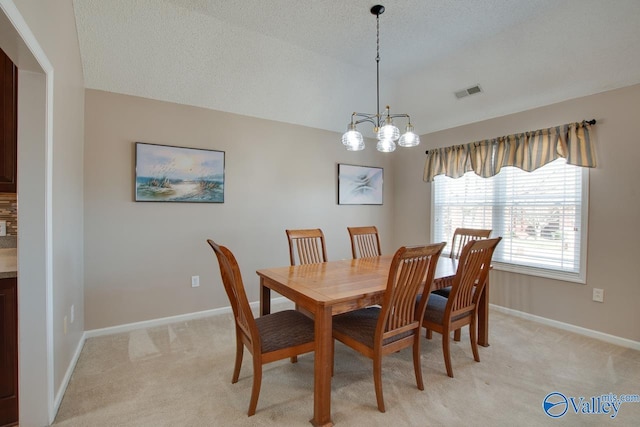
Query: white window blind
(541, 216)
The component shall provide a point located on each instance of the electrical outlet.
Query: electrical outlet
(3, 228)
(195, 281)
(598, 295)
(73, 313)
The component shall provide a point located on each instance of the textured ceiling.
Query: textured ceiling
(312, 62)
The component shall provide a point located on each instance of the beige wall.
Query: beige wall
(614, 210)
(36, 373)
(139, 257)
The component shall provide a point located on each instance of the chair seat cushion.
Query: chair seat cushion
(361, 326)
(443, 292)
(435, 309)
(284, 329)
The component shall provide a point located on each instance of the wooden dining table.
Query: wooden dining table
(335, 287)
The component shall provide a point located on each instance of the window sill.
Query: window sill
(541, 272)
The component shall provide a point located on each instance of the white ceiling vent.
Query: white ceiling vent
(468, 91)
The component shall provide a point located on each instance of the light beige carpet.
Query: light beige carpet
(180, 375)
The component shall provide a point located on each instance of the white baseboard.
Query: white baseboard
(67, 376)
(128, 327)
(171, 319)
(612, 339)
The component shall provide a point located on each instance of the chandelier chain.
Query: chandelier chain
(378, 38)
(378, 71)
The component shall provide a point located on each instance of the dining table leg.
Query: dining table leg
(265, 298)
(323, 368)
(483, 316)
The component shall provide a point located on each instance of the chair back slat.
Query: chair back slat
(365, 242)
(308, 244)
(234, 287)
(462, 236)
(471, 275)
(412, 268)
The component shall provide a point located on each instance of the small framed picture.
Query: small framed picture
(177, 174)
(359, 185)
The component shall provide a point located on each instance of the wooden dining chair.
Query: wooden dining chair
(395, 325)
(460, 308)
(308, 245)
(461, 236)
(268, 338)
(365, 242)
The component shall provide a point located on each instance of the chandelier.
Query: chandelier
(383, 126)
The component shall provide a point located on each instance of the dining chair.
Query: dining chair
(461, 236)
(365, 242)
(308, 245)
(268, 338)
(395, 324)
(460, 308)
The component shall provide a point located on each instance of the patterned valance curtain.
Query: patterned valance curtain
(527, 151)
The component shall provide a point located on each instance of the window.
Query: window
(541, 216)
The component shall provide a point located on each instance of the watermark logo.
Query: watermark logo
(557, 404)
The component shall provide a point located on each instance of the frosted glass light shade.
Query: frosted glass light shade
(388, 131)
(409, 138)
(358, 146)
(352, 139)
(386, 146)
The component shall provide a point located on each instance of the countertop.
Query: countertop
(8, 263)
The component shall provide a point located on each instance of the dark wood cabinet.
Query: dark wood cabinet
(8, 352)
(8, 124)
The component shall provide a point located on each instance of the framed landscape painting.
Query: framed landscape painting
(177, 174)
(359, 185)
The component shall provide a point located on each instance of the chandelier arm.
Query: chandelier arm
(364, 118)
(393, 116)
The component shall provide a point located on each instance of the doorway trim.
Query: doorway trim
(35, 329)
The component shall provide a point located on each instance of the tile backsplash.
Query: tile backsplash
(8, 242)
(9, 212)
